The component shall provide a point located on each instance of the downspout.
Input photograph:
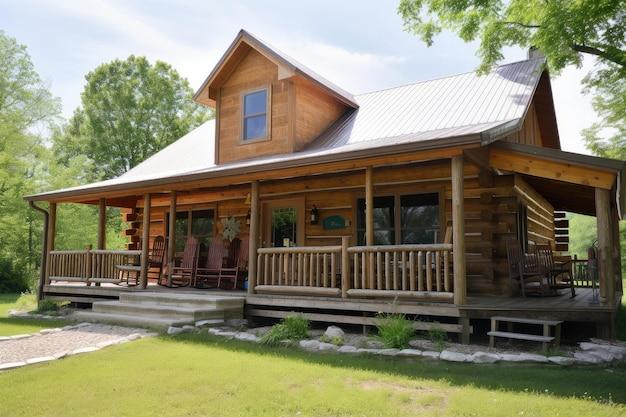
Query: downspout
(44, 258)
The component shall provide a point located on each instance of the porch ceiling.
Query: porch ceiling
(565, 196)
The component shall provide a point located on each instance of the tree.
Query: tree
(26, 108)
(130, 110)
(563, 30)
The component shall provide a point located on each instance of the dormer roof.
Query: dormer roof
(287, 68)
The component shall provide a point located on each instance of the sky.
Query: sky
(359, 45)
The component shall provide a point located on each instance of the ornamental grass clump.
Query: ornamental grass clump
(290, 328)
(395, 330)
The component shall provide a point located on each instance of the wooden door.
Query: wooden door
(283, 219)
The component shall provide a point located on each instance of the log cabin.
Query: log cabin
(400, 200)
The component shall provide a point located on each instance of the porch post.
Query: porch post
(369, 222)
(102, 221)
(605, 250)
(458, 231)
(145, 240)
(51, 232)
(171, 240)
(253, 241)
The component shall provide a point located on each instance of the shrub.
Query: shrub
(47, 306)
(335, 340)
(438, 336)
(13, 277)
(395, 330)
(290, 328)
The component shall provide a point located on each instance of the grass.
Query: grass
(197, 374)
(26, 302)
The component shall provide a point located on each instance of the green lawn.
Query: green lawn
(198, 375)
(11, 326)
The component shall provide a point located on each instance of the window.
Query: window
(196, 223)
(416, 217)
(284, 226)
(255, 115)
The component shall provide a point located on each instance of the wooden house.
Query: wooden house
(395, 200)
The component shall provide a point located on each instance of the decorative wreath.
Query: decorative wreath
(230, 228)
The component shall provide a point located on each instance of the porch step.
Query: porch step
(158, 310)
(183, 299)
(158, 323)
(163, 309)
(526, 321)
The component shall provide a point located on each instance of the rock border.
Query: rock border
(125, 339)
(596, 352)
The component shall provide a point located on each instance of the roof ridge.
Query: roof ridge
(444, 77)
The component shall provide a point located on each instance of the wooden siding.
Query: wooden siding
(253, 72)
(315, 111)
(491, 206)
(530, 133)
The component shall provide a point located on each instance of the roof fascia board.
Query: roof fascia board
(459, 141)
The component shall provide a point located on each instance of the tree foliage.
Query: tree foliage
(130, 110)
(564, 30)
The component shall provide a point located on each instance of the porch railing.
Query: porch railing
(90, 265)
(399, 271)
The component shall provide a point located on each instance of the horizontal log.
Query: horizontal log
(69, 252)
(562, 239)
(401, 248)
(561, 223)
(562, 247)
(69, 279)
(345, 319)
(300, 249)
(286, 289)
(115, 252)
(415, 295)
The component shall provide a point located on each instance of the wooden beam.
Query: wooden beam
(171, 240)
(458, 232)
(102, 223)
(369, 222)
(254, 236)
(555, 170)
(605, 249)
(145, 241)
(51, 232)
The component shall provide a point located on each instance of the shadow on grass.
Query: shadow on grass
(599, 383)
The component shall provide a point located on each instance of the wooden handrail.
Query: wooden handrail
(401, 248)
(88, 264)
(301, 249)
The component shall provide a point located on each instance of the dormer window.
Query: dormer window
(255, 115)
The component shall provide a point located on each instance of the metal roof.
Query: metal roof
(443, 112)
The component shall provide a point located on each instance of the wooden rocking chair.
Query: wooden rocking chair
(524, 268)
(560, 275)
(157, 256)
(184, 274)
(208, 276)
(231, 275)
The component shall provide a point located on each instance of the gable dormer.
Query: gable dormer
(266, 103)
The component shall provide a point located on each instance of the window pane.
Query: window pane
(181, 230)
(283, 225)
(420, 218)
(384, 233)
(254, 127)
(255, 103)
(202, 226)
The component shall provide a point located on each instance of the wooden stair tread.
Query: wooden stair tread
(133, 268)
(522, 336)
(526, 321)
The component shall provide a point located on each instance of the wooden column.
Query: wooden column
(145, 240)
(253, 241)
(345, 266)
(171, 240)
(458, 231)
(369, 223)
(51, 232)
(102, 224)
(605, 248)
(617, 250)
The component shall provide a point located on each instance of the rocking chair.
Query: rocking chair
(208, 276)
(184, 274)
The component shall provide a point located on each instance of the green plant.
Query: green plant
(335, 340)
(438, 336)
(13, 276)
(47, 306)
(294, 327)
(394, 330)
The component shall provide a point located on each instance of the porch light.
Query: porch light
(314, 215)
(248, 217)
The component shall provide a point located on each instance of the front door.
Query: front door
(283, 222)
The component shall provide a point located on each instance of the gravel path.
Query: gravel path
(51, 343)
